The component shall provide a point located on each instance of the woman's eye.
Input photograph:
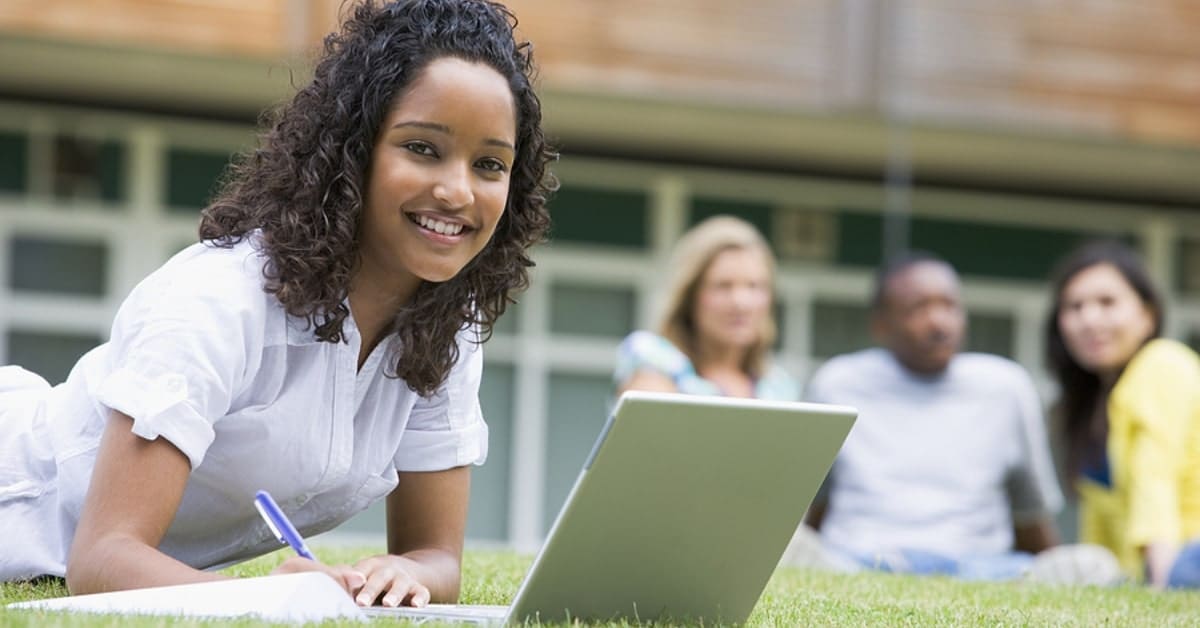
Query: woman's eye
(420, 148)
(492, 165)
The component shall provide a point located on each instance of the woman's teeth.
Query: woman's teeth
(433, 224)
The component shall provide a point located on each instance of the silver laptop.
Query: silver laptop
(682, 511)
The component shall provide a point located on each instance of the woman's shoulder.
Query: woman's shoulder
(1159, 387)
(777, 383)
(1164, 358)
(240, 261)
(1161, 369)
(648, 350)
(204, 277)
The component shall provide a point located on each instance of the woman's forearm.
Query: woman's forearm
(1159, 558)
(118, 563)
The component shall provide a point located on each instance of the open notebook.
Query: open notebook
(298, 597)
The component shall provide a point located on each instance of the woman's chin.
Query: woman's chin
(742, 342)
(438, 274)
(1099, 365)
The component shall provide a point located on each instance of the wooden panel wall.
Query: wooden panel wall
(1121, 68)
(779, 52)
(1116, 68)
(220, 27)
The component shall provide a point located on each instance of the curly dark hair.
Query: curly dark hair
(302, 189)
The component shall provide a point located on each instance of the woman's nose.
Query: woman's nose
(746, 297)
(1090, 314)
(453, 187)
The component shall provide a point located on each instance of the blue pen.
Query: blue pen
(279, 524)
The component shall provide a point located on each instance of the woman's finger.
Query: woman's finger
(377, 581)
(346, 576)
(420, 596)
(352, 579)
(411, 593)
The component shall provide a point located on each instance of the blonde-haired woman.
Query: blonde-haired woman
(717, 327)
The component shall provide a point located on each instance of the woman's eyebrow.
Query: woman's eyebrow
(441, 128)
(501, 143)
(433, 126)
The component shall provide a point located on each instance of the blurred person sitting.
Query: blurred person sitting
(947, 470)
(1131, 408)
(716, 331)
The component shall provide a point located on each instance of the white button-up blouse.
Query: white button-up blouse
(200, 355)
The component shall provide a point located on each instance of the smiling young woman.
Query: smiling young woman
(437, 187)
(1131, 409)
(322, 339)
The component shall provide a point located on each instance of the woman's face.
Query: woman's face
(1103, 320)
(733, 299)
(439, 174)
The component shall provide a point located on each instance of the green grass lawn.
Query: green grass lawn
(793, 598)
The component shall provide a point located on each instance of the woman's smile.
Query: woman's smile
(442, 229)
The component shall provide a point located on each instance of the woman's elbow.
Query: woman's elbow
(80, 574)
(450, 585)
(87, 566)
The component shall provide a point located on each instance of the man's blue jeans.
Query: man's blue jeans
(983, 567)
(1185, 573)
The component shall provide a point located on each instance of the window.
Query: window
(488, 518)
(51, 355)
(192, 177)
(990, 333)
(14, 154)
(756, 214)
(839, 328)
(507, 323)
(606, 311)
(575, 414)
(596, 216)
(58, 266)
(985, 250)
(87, 169)
(1187, 263)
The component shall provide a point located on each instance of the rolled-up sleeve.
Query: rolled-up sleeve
(446, 429)
(181, 345)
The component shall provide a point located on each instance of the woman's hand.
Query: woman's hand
(349, 578)
(426, 521)
(1159, 557)
(393, 578)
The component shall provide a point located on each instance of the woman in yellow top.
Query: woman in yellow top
(1131, 404)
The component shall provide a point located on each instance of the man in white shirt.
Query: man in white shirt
(947, 469)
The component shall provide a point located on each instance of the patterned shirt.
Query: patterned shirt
(646, 351)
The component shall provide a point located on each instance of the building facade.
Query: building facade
(996, 136)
